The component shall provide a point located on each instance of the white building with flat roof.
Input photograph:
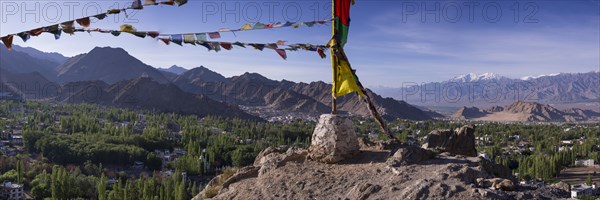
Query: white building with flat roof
(587, 163)
(12, 191)
(580, 190)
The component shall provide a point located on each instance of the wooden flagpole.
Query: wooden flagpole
(333, 63)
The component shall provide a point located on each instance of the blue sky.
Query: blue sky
(390, 42)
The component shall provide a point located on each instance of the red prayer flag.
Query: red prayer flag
(226, 45)
(281, 53)
(7, 40)
(85, 22)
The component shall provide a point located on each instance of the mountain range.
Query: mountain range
(485, 90)
(525, 112)
(125, 81)
(111, 76)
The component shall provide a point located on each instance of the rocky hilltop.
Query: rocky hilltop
(379, 170)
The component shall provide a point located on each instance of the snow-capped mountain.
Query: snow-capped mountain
(527, 78)
(472, 77)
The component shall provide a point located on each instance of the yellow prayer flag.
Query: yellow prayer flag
(127, 28)
(344, 80)
(247, 26)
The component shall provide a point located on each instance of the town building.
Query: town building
(12, 191)
(580, 190)
(587, 163)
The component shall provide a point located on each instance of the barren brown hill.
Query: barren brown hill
(106, 64)
(526, 112)
(145, 93)
(468, 113)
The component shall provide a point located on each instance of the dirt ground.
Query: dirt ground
(579, 175)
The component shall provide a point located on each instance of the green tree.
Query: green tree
(588, 180)
(102, 188)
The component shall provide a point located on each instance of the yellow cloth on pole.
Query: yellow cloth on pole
(345, 79)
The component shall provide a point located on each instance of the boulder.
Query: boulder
(562, 186)
(504, 185)
(333, 139)
(460, 142)
(271, 158)
(409, 155)
(496, 170)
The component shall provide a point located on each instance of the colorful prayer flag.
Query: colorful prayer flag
(113, 11)
(345, 79)
(149, 2)
(166, 40)
(85, 22)
(259, 25)
(36, 32)
(281, 53)
(177, 39)
(247, 26)
(54, 30)
(153, 34)
(239, 44)
(168, 2)
(7, 40)
(140, 34)
(342, 20)
(128, 28)
(100, 16)
(201, 36)
(214, 35)
(226, 45)
(181, 2)
(258, 46)
(189, 39)
(321, 53)
(137, 5)
(24, 35)
(205, 44)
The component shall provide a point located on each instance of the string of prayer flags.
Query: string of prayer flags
(68, 26)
